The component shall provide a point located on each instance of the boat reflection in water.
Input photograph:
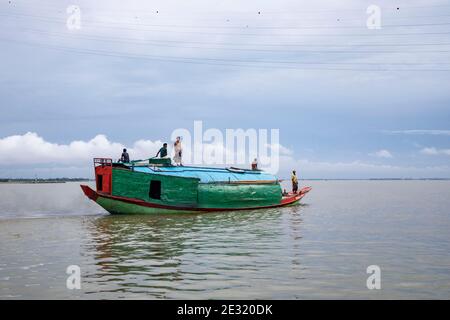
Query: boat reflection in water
(190, 255)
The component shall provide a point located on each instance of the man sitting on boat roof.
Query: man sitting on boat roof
(125, 156)
(163, 151)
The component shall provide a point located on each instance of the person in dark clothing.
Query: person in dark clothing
(125, 157)
(163, 151)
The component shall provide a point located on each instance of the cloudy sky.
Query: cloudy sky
(349, 102)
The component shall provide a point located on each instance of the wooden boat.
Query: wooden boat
(158, 187)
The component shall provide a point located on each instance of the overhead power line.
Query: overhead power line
(242, 27)
(256, 11)
(244, 32)
(219, 61)
(345, 49)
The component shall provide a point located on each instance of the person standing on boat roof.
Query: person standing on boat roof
(178, 152)
(163, 151)
(125, 156)
(294, 182)
(255, 164)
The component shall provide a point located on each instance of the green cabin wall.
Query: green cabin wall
(238, 195)
(188, 192)
(176, 191)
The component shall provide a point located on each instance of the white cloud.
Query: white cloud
(31, 149)
(357, 170)
(382, 154)
(30, 154)
(421, 132)
(281, 149)
(433, 151)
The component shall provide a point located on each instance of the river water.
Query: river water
(319, 249)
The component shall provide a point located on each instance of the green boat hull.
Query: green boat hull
(115, 205)
(120, 207)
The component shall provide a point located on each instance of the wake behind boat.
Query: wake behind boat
(159, 187)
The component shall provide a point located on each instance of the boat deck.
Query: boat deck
(209, 175)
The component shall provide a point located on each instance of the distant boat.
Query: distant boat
(156, 186)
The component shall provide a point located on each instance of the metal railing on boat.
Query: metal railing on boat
(104, 162)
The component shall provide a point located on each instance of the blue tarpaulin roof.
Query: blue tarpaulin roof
(208, 174)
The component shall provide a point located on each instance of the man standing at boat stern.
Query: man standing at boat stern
(294, 182)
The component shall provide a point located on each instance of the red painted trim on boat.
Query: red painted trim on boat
(93, 195)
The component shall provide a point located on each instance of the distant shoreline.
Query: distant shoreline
(42, 181)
